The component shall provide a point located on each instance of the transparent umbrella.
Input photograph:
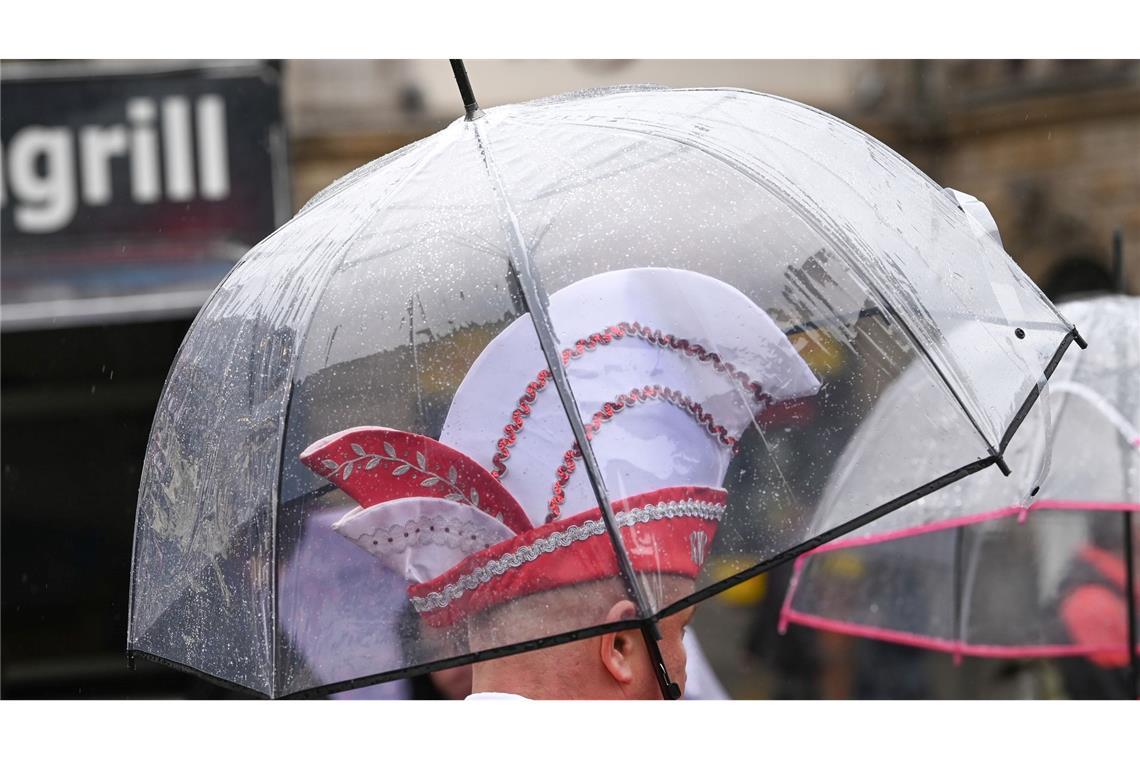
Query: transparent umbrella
(1027, 566)
(544, 365)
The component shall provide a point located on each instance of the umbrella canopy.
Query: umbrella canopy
(560, 354)
(1027, 566)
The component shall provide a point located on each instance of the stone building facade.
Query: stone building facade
(1052, 147)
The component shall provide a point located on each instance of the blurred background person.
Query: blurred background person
(1092, 607)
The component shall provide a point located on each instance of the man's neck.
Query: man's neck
(491, 678)
(492, 695)
(531, 682)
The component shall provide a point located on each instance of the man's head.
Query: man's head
(615, 665)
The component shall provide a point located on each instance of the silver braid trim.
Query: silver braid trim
(436, 600)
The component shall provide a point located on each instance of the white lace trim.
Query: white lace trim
(441, 531)
(560, 539)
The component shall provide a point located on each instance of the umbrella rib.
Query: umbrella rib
(826, 536)
(1130, 596)
(957, 628)
(191, 670)
(1070, 337)
(523, 273)
(505, 650)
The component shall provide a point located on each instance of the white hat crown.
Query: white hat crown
(668, 367)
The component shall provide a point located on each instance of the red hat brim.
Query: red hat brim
(665, 531)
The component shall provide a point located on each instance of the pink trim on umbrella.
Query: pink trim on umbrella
(958, 522)
(786, 607)
(787, 614)
(934, 643)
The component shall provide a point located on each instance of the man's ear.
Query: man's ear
(617, 649)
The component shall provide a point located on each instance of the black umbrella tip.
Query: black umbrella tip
(470, 105)
(1118, 282)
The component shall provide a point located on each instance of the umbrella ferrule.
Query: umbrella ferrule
(470, 105)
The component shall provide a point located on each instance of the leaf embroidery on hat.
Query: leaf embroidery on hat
(403, 467)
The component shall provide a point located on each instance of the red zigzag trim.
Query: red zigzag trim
(522, 409)
(623, 401)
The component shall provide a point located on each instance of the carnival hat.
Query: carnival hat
(668, 368)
